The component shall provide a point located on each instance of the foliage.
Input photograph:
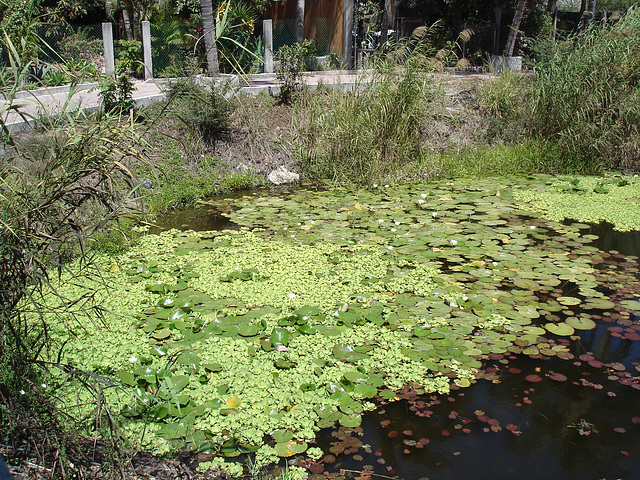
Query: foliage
(587, 100)
(238, 49)
(54, 193)
(117, 95)
(206, 109)
(78, 44)
(291, 67)
(242, 336)
(129, 57)
(368, 135)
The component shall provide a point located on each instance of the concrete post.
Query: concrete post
(107, 43)
(347, 35)
(267, 37)
(146, 50)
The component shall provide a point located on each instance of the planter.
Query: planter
(500, 63)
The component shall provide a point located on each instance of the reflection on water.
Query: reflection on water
(547, 413)
(627, 243)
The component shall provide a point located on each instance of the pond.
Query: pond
(444, 331)
(539, 417)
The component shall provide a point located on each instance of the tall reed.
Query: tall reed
(586, 99)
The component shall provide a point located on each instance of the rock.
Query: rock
(281, 175)
(146, 183)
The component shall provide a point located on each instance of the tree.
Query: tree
(209, 33)
(515, 28)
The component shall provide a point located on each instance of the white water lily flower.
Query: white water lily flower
(453, 242)
(386, 186)
(394, 230)
(434, 214)
(532, 227)
(375, 185)
(423, 195)
(22, 392)
(420, 201)
(282, 348)
(380, 220)
(453, 303)
(133, 359)
(292, 296)
(390, 247)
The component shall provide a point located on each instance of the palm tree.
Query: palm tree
(209, 32)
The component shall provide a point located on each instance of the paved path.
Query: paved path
(47, 102)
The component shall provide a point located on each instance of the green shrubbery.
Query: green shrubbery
(587, 99)
(369, 134)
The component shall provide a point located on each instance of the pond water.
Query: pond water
(530, 414)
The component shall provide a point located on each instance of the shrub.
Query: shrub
(587, 98)
(204, 109)
(368, 135)
(291, 67)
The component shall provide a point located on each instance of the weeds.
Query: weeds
(587, 99)
(369, 134)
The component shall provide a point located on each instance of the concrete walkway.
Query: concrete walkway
(31, 105)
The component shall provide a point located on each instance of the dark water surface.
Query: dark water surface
(580, 421)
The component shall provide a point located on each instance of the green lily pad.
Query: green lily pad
(561, 329)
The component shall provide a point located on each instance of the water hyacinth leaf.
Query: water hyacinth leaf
(127, 378)
(350, 421)
(297, 447)
(213, 367)
(365, 390)
(356, 377)
(307, 330)
(279, 337)
(346, 352)
(284, 364)
(282, 436)
(161, 334)
(249, 329)
(159, 350)
(166, 302)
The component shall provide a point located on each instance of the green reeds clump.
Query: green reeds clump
(587, 99)
(367, 135)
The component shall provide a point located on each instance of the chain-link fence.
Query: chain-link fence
(64, 53)
(320, 31)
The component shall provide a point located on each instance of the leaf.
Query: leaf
(279, 336)
(233, 402)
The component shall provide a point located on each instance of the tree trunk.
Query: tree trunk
(387, 17)
(515, 28)
(209, 32)
(127, 24)
(300, 21)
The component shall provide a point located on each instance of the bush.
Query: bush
(291, 67)
(204, 109)
(369, 135)
(587, 98)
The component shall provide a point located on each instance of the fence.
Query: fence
(76, 52)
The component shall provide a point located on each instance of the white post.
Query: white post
(347, 35)
(267, 36)
(107, 42)
(146, 50)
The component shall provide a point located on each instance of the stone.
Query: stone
(281, 175)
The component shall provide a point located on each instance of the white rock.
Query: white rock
(281, 175)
